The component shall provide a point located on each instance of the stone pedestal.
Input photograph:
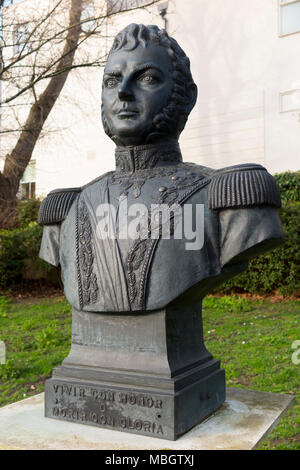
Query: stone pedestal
(148, 373)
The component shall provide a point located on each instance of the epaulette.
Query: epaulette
(56, 205)
(243, 185)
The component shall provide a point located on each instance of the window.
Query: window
(290, 101)
(88, 17)
(289, 17)
(28, 190)
(114, 6)
(20, 38)
(28, 181)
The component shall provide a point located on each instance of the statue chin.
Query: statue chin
(151, 135)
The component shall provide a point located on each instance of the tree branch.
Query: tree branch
(17, 161)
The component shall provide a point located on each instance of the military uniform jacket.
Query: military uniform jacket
(121, 274)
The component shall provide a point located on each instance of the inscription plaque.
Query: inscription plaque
(111, 408)
(163, 414)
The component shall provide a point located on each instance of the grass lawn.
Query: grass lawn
(253, 338)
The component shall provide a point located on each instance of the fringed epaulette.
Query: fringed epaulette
(243, 186)
(56, 205)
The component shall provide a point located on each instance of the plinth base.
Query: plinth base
(146, 374)
(153, 412)
(241, 423)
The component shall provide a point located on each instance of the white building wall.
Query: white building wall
(241, 65)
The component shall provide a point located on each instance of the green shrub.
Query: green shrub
(278, 270)
(289, 185)
(27, 211)
(17, 246)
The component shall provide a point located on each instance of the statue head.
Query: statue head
(148, 90)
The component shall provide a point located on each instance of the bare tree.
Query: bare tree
(36, 57)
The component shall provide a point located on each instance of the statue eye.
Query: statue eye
(111, 82)
(148, 79)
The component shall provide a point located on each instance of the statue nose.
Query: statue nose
(124, 92)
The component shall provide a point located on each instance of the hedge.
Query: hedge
(28, 210)
(289, 184)
(19, 247)
(276, 271)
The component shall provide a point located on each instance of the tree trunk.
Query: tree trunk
(17, 161)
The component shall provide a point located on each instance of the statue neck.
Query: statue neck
(142, 157)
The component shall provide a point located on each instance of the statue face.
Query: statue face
(136, 86)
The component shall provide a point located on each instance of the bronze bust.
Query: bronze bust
(137, 327)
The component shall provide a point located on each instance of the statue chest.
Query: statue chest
(138, 240)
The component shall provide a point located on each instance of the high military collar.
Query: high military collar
(142, 157)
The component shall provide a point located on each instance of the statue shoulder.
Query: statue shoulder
(56, 205)
(242, 185)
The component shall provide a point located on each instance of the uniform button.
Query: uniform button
(174, 178)
(162, 189)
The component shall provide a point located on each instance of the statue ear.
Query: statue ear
(191, 95)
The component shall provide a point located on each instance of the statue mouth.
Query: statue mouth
(127, 111)
(127, 114)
